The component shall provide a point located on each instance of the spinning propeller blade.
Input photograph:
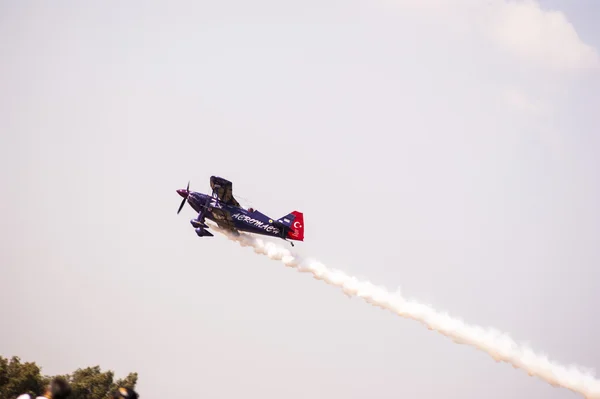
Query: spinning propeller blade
(181, 206)
(185, 195)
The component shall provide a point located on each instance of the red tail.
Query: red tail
(297, 228)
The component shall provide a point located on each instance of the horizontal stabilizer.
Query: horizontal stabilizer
(287, 220)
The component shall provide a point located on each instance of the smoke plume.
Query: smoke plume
(498, 345)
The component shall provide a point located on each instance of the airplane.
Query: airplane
(222, 208)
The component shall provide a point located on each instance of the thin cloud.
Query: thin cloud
(545, 37)
(520, 29)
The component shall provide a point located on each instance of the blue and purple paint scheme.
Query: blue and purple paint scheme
(223, 209)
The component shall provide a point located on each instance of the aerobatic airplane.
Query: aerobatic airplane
(223, 209)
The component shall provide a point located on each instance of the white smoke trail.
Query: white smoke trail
(498, 345)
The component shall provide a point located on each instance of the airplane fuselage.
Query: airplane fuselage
(239, 218)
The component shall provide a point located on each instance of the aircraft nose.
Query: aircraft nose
(182, 192)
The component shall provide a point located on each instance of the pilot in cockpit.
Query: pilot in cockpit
(250, 209)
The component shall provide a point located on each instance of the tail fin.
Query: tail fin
(295, 221)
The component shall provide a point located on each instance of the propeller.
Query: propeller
(184, 194)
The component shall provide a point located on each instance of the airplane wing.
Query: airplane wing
(223, 220)
(224, 190)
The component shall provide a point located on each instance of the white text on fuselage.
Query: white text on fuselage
(256, 223)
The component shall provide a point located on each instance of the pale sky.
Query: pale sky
(446, 148)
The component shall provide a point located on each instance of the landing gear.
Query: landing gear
(196, 224)
(203, 233)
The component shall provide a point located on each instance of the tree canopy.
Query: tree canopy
(17, 377)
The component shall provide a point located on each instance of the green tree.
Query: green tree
(93, 383)
(128, 382)
(17, 378)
